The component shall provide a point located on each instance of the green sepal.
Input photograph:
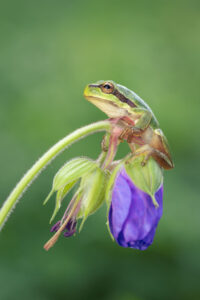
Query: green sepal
(93, 193)
(49, 196)
(109, 231)
(60, 196)
(67, 177)
(73, 170)
(109, 188)
(148, 178)
(111, 181)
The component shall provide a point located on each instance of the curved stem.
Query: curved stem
(44, 161)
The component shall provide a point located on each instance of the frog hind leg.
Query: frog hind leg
(147, 151)
(161, 154)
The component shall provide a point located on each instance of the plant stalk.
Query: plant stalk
(47, 157)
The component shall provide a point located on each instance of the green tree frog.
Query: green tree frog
(140, 127)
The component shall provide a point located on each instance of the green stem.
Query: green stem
(32, 173)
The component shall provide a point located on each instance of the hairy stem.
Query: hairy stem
(48, 156)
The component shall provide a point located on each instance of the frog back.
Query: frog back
(138, 102)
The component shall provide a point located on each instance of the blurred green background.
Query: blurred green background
(49, 50)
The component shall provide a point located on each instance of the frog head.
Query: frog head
(110, 97)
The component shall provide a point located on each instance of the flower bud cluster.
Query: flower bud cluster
(133, 193)
(89, 179)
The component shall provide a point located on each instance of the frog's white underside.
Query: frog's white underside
(108, 107)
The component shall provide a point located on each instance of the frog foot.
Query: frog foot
(129, 132)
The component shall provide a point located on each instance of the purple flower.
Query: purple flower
(70, 228)
(133, 218)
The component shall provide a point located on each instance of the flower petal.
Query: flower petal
(133, 218)
(120, 205)
(70, 228)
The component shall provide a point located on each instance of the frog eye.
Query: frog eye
(107, 87)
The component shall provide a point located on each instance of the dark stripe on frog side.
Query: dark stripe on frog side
(123, 99)
(117, 94)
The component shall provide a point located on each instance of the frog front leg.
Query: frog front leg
(142, 119)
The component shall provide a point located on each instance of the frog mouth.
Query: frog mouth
(108, 107)
(95, 99)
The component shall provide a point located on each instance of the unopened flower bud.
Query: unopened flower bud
(135, 203)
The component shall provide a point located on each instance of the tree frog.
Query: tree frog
(140, 127)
